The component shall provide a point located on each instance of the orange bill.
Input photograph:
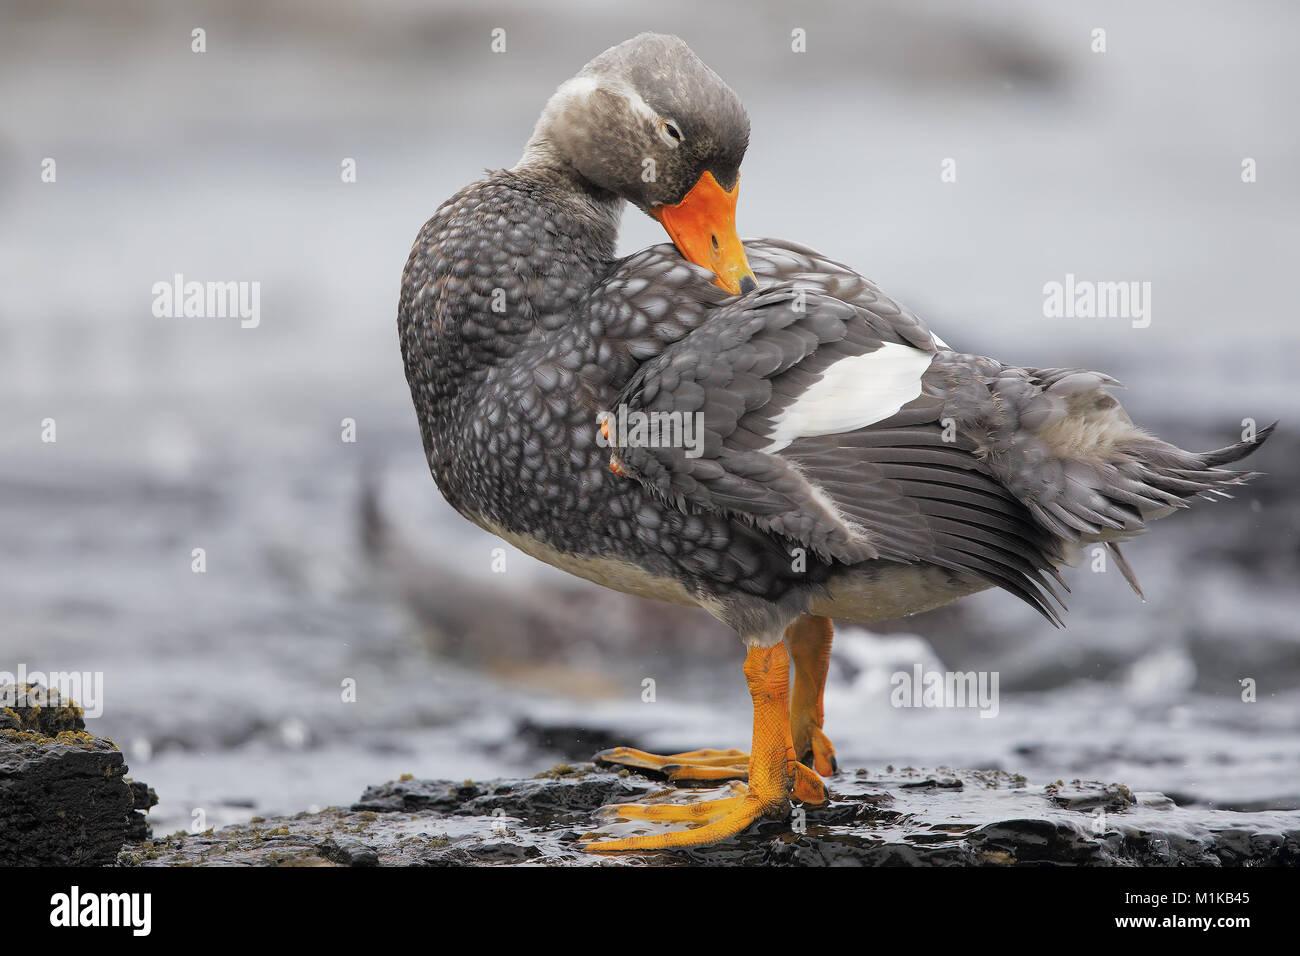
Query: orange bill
(703, 227)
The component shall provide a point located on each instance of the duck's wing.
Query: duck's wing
(831, 417)
(817, 428)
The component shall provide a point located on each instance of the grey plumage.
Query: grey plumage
(518, 327)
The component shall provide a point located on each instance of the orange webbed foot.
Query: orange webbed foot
(775, 776)
(718, 819)
(693, 765)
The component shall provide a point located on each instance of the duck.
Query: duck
(745, 427)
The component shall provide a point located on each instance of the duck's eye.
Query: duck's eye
(669, 133)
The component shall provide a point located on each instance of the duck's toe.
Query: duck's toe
(705, 765)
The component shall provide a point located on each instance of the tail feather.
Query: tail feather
(1125, 568)
(1242, 449)
(1143, 479)
(1183, 474)
(1062, 445)
(1166, 468)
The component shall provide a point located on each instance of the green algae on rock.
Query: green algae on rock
(64, 795)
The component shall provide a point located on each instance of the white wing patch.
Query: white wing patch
(853, 393)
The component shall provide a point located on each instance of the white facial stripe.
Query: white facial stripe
(634, 98)
(853, 393)
(578, 87)
(573, 94)
(581, 87)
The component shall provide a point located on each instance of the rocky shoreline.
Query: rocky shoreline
(65, 799)
(906, 817)
(64, 794)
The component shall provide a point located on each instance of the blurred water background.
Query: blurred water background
(224, 688)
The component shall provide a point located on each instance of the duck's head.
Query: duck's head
(649, 122)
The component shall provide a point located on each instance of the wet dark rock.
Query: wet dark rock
(347, 852)
(947, 783)
(907, 817)
(502, 852)
(1093, 796)
(564, 794)
(142, 798)
(64, 796)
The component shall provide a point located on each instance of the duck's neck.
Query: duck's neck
(586, 208)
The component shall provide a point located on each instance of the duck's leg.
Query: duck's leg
(774, 774)
(809, 640)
